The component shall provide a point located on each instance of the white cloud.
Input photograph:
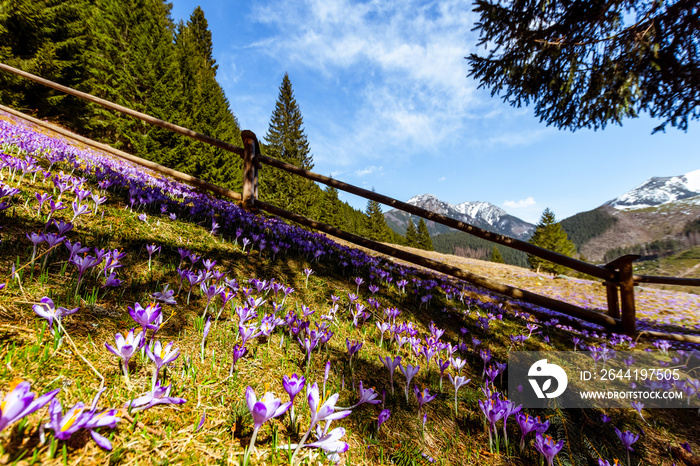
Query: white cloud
(368, 170)
(418, 95)
(521, 204)
(442, 178)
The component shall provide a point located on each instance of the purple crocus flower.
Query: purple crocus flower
(638, 406)
(149, 317)
(382, 418)
(79, 210)
(262, 410)
(494, 410)
(458, 382)
(320, 412)
(19, 402)
(330, 443)
(159, 395)
(63, 426)
(353, 347)
(382, 327)
(627, 438)
(238, 352)
(409, 372)
(166, 296)
(367, 395)
(75, 249)
(126, 346)
(548, 447)
(151, 249)
(423, 397)
(293, 385)
(308, 272)
(391, 365)
(161, 356)
(308, 344)
(47, 309)
(511, 409)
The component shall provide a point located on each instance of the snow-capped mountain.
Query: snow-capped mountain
(480, 214)
(660, 209)
(660, 190)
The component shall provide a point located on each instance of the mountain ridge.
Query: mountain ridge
(478, 213)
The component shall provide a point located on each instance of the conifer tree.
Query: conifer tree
(411, 234)
(286, 140)
(585, 63)
(375, 225)
(424, 240)
(550, 235)
(203, 107)
(131, 63)
(496, 256)
(48, 38)
(330, 212)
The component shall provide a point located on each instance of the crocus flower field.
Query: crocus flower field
(145, 322)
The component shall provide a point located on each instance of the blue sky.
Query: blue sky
(383, 89)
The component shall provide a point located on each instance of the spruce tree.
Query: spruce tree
(424, 240)
(48, 38)
(496, 256)
(411, 234)
(375, 226)
(203, 107)
(131, 63)
(286, 141)
(585, 63)
(550, 235)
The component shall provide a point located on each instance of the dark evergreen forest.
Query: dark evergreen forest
(131, 52)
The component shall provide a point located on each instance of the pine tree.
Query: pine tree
(131, 63)
(47, 38)
(286, 141)
(424, 240)
(203, 107)
(550, 235)
(375, 226)
(496, 256)
(331, 211)
(585, 63)
(411, 234)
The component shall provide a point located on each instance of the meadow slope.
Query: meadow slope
(154, 318)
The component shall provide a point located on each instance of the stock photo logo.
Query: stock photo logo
(541, 375)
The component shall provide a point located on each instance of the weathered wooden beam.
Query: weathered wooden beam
(112, 106)
(669, 336)
(575, 264)
(516, 293)
(250, 169)
(667, 280)
(189, 179)
(626, 283)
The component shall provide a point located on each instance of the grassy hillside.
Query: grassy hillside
(293, 299)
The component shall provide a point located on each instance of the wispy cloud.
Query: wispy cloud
(404, 60)
(522, 203)
(368, 170)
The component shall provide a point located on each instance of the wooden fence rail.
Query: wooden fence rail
(617, 276)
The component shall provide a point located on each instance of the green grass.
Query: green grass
(166, 434)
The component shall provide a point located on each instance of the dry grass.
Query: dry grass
(167, 434)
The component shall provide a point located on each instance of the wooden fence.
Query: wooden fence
(617, 276)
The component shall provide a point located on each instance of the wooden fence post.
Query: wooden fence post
(624, 308)
(250, 169)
